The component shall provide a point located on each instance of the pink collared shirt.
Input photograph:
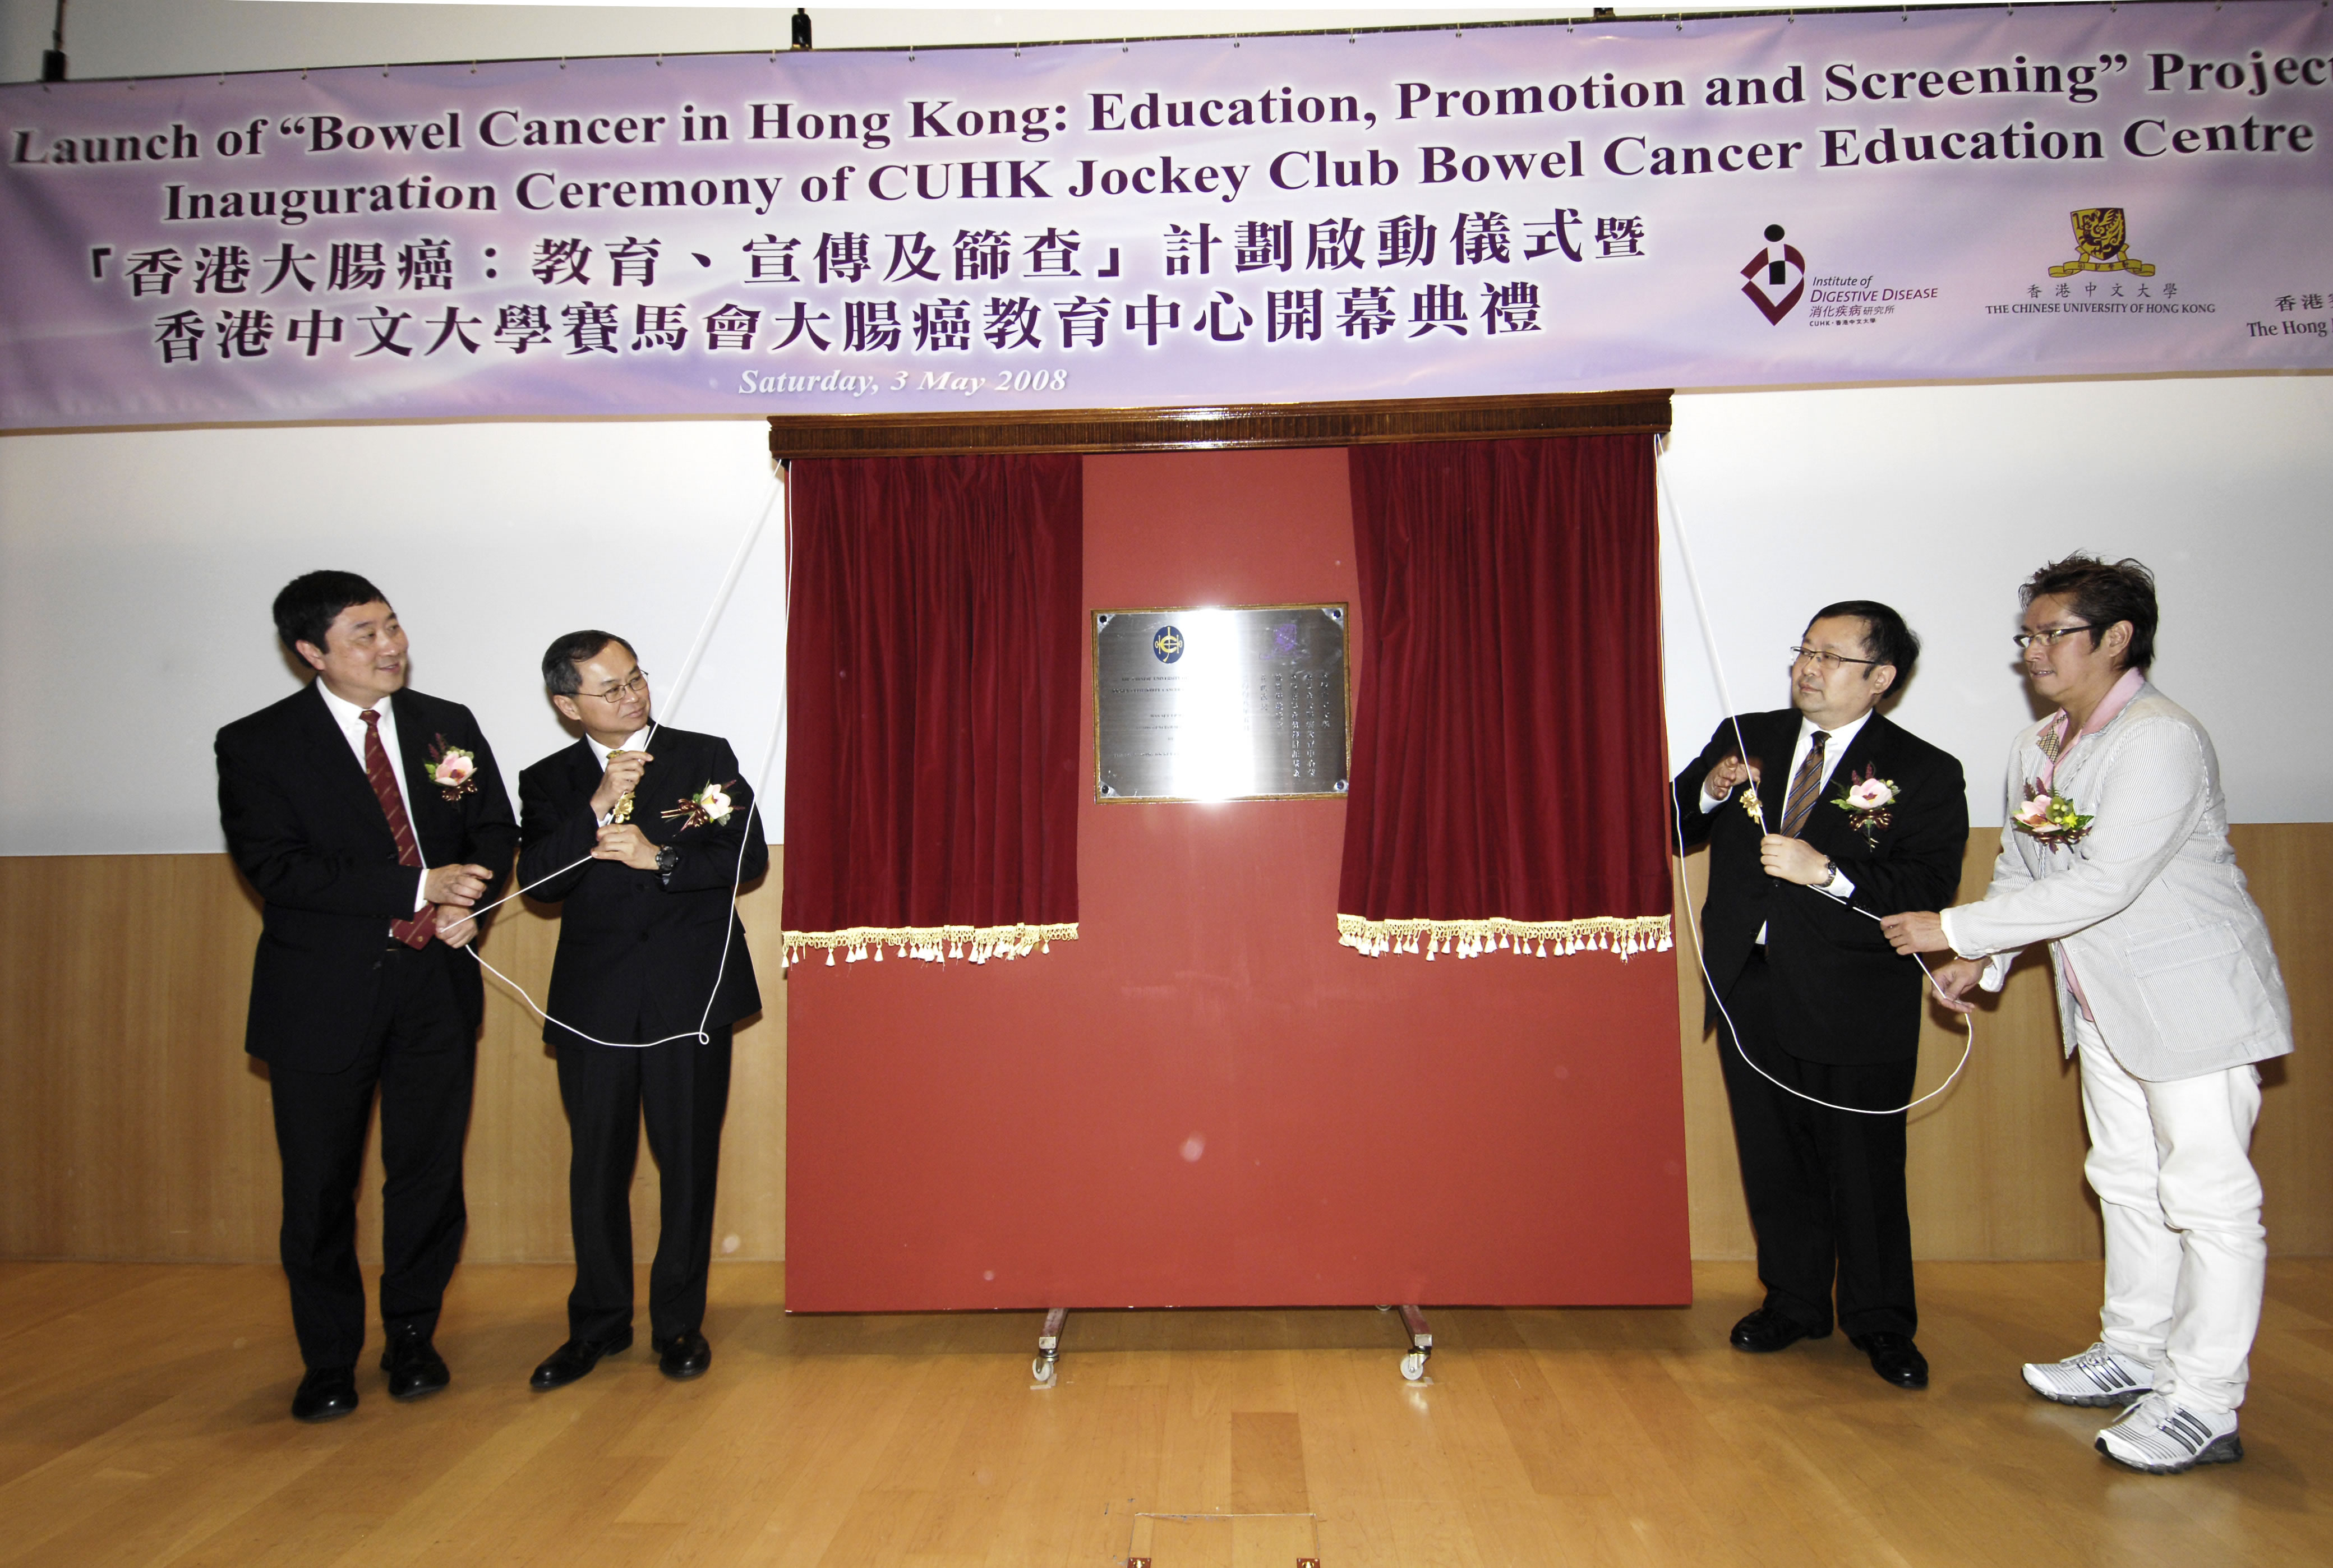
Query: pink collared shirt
(2116, 701)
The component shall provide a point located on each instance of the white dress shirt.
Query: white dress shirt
(351, 718)
(1841, 887)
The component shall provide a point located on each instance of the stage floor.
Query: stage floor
(142, 1421)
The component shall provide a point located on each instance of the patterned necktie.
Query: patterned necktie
(414, 932)
(1805, 784)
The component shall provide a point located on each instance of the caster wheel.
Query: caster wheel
(1413, 1366)
(1041, 1368)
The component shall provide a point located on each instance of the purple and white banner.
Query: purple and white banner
(2059, 190)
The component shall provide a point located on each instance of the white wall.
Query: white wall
(136, 572)
(136, 567)
(1940, 500)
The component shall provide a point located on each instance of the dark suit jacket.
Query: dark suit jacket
(1841, 995)
(308, 832)
(637, 954)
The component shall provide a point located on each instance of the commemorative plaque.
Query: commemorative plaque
(1243, 703)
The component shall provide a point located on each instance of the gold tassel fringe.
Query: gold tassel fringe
(1626, 935)
(932, 944)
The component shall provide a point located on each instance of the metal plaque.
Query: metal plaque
(1245, 703)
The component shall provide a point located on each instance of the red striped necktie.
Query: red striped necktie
(414, 932)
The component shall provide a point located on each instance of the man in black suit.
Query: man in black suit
(1868, 820)
(369, 817)
(645, 832)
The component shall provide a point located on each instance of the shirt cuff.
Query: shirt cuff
(1710, 803)
(421, 890)
(1996, 972)
(1945, 918)
(1841, 887)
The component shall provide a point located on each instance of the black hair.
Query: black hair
(2102, 595)
(1886, 637)
(310, 604)
(559, 676)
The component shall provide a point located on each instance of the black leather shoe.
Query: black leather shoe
(1766, 1330)
(415, 1368)
(577, 1357)
(684, 1356)
(1895, 1358)
(326, 1394)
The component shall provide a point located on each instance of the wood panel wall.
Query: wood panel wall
(132, 1126)
(1995, 1167)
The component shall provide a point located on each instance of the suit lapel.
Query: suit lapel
(648, 798)
(574, 772)
(336, 763)
(423, 804)
(1783, 741)
(1868, 740)
(1827, 824)
(663, 785)
(582, 770)
(1780, 739)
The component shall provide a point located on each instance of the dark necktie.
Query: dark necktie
(414, 932)
(1805, 784)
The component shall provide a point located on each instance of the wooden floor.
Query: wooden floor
(142, 1421)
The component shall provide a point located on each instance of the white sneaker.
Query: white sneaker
(2097, 1377)
(2163, 1438)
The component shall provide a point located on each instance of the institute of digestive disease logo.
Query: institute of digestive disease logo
(1772, 271)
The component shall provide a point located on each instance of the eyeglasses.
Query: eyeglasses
(1829, 663)
(636, 685)
(2049, 638)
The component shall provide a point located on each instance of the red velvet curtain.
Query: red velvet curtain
(932, 673)
(1508, 781)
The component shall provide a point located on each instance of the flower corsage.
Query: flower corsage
(1865, 798)
(2051, 817)
(710, 804)
(454, 770)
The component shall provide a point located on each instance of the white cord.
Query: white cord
(687, 672)
(1701, 612)
(1692, 923)
(721, 597)
(654, 725)
(769, 760)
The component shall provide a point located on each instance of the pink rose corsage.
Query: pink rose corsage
(454, 770)
(2051, 817)
(1865, 798)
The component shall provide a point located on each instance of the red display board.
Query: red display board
(1205, 1101)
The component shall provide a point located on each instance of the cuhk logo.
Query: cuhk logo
(2101, 245)
(1772, 271)
(1166, 644)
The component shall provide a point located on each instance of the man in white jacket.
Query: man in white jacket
(2116, 853)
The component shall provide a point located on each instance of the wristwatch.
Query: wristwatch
(668, 862)
(1830, 870)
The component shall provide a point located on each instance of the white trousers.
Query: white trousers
(2187, 1256)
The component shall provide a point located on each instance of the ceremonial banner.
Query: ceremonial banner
(1768, 200)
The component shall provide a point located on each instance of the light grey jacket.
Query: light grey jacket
(2173, 953)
